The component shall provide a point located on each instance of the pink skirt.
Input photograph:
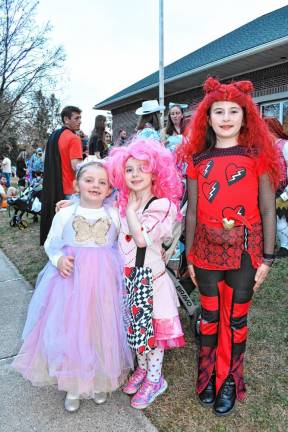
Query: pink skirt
(74, 336)
(168, 333)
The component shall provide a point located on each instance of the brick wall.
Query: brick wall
(267, 81)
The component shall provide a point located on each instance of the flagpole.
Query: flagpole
(161, 58)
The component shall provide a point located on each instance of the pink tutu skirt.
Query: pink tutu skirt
(74, 335)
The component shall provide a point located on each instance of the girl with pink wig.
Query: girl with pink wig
(149, 193)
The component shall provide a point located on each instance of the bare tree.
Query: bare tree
(41, 119)
(27, 62)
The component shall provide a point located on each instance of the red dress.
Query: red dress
(227, 189)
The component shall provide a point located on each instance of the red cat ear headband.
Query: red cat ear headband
(239, 91)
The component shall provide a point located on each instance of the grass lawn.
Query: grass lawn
(266, 407)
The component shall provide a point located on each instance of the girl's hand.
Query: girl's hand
(191, 272)
(261, 275)
(133, 202)
(62, 204)
(65, 265)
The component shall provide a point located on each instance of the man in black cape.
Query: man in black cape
(53, 170)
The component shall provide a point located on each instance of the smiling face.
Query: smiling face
(226, 119)
(93, 186)
(136, 177)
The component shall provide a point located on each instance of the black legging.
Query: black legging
(225, 297)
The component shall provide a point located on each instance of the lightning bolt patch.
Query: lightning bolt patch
(206, 168)
(234, 173)
(210, 190)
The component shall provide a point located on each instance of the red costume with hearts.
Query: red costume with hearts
(226, 230)
(222, 176)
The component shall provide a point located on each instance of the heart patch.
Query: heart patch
(137, 312)
(210, 190)
(205, 168)
(229, 212)
(234, 173)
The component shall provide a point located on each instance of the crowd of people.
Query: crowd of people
(105, 310)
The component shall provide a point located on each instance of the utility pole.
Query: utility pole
(161, 58)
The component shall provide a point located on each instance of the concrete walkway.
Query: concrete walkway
(24, 408)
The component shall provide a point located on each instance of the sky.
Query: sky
(111, 44)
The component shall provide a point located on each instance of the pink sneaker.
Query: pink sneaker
(148, 392)
(134, 381)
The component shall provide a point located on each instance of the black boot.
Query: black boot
(207, 396)
(225, 399)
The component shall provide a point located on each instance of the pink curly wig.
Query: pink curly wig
(254, 133)
(159, 161)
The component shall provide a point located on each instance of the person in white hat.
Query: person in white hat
(149, 124)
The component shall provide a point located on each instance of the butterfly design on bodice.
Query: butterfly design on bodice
(95, 232)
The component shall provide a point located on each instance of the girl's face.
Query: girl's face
(137, 180)
(93, 186)
(176, 115)
(226, 119)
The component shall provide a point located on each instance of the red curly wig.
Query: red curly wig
(254, 134)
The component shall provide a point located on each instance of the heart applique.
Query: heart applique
(205, 168)
(151, 342)
(137, 312)
(142, 330)
(228, 223)
(128, 271)
(141, 349)
(210, 190)
(229, 212)
(150, 300)
(144, 282)
(234, 173)
(128, 237)
(130, 330)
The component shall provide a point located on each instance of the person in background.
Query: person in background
(3, 195)
(21, 169)
(149, 123)
(281, 142)
(108, 139)
(172, 133)
(97, 144)
(6, 169)
(37, 162)
(62, 155)
(121, 140)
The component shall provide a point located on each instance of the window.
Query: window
(278, 109)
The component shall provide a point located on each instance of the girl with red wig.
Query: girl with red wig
(281, 143)
(149, 192)
(230, 229)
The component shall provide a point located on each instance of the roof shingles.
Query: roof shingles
(262, 30)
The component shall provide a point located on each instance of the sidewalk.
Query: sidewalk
(24, 408)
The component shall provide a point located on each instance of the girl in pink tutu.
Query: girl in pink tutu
(149, 192)
(74, 334)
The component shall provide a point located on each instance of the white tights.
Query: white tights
(152, 363)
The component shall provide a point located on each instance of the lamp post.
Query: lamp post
(161, 58)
